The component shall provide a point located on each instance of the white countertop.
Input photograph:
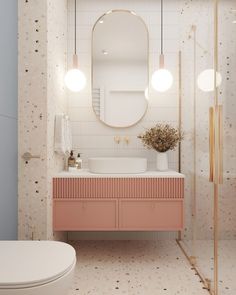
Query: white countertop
(148, 174)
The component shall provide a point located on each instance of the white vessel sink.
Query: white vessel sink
(117, 165)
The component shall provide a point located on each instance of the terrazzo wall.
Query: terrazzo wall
(196, 21)
(227, 60)
(200, 14)
(42, 65)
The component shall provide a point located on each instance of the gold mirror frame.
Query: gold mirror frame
(148, 63)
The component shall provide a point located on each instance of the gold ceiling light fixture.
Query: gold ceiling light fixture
(75, 79)
(162, 78)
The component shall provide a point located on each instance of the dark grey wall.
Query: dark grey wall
(8, 119)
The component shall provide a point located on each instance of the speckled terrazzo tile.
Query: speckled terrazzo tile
(42, 66)
(227, 267)
(133, 267)
(227, 262)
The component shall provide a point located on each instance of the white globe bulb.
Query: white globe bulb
(75, 80)
(205, 80)
(162, 80)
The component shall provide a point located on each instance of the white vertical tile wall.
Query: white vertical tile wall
(90, 136)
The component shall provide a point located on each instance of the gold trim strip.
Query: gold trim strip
(211, 143)
(180, 106)
(216, 237)
(216, 156)
(180, 120)
(194, 179)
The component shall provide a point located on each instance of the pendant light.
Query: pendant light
(162, 79)
(75, 79)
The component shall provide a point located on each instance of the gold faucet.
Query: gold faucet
(117, 139)
(127, 140)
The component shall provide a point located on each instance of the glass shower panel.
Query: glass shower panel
(227, 197)
(197, 21)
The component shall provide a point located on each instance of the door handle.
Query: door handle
(27, 156)
(216, 121)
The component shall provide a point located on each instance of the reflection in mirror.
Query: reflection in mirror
(120, 68)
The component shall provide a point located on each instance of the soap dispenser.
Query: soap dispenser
(71, 160)
(79, 162)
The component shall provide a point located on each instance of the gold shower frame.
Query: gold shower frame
(215, 157)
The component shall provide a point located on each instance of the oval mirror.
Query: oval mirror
(120, 69)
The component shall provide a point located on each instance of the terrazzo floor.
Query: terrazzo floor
(133, 267)
(204, 251)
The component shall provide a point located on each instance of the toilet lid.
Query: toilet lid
(32, 263)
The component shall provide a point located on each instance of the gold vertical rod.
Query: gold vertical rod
(216, 209)
(216, 168)
(216, 97)
(180, 106)
(180, 121)
(194, 204)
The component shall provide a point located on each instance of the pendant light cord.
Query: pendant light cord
(161, 26)
(75, 29)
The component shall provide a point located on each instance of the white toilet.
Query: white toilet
(36, 267)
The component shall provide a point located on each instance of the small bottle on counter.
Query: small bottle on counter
(71, 160)
(78, 162)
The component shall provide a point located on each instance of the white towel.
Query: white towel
(68, 136)
(59, 134)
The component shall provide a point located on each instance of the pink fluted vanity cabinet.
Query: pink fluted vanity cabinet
(151, 201)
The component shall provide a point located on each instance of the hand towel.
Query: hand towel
(68, 136)
(59, 134)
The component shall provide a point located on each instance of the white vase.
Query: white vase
(162, 161)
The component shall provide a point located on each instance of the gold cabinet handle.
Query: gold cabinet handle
(211, 143)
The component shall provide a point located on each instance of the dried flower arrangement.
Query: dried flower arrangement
(161, 138)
